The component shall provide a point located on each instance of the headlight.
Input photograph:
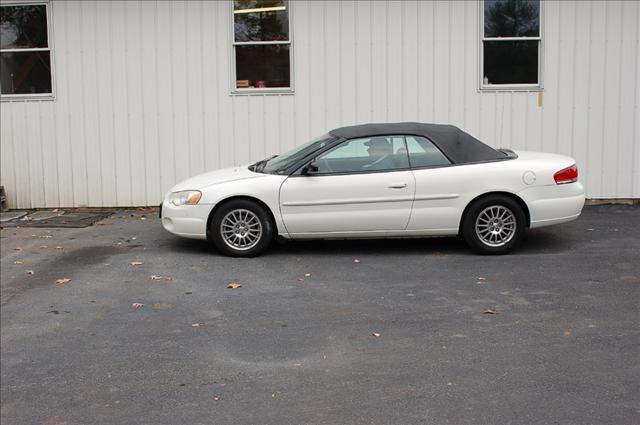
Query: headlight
(185, 197)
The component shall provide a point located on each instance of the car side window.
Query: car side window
(368, 154)
(423, 153)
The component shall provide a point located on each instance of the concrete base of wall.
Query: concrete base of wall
(605, 201)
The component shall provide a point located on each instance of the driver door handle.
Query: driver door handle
(397, 186)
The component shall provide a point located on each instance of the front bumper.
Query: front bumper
(189, 221)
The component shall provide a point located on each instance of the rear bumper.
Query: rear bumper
(189, 221)
(553, 204)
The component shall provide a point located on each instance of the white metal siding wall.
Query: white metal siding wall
(143, 93)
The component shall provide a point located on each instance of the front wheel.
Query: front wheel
(241, 229)
(493, 225)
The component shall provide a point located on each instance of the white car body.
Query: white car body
(413, 202)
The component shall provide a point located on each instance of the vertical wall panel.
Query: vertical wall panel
(628, 82)
(143, 93)
(88, 90)
(7, 155)
(104, 102)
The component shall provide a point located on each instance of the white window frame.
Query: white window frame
(266, 90)
(510, 87)
(49, 48)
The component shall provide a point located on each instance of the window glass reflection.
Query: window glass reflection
(511, 18)
(511, 62)
(23, 27)
(262, 66)
(261, 21)
(25, 73)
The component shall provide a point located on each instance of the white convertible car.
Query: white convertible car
(379, 180)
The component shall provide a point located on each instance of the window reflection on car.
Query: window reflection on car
(277, 164)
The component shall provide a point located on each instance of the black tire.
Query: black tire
(507, 239)
(239, 208)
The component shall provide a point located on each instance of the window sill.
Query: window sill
(261, 92)
(510, 88)
(26, 97)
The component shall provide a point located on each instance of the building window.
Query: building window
(511, 46)
(261, 46)
(25, 51)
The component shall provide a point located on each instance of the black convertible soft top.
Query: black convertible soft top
(459, 146)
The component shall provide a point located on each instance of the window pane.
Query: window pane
(288, 159)
(23, 27)
(363, 155)
(423, 153)
(511, 18)
(261, 20)
(262, 66)
(25, 73)
(511, 62)
(248, 5)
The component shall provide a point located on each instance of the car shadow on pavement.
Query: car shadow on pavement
(546, 241)
(535, 242)
(409, 246)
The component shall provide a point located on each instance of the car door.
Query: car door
(440, 188)
(360, 186)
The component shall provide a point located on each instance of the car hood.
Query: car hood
(211, 178)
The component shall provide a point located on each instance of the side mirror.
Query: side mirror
(309, 169)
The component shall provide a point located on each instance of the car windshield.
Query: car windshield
(278, 164)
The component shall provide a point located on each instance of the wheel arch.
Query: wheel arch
(510, 195)
(225, 201)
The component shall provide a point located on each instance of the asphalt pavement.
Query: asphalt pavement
(416, 331)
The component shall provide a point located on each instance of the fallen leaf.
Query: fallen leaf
(43, 247)
(156, 277)
(137, 305)
(54, 210)
(30, 272)
(567, 332)
(136, 263)
(491, 311)
(18, 262)
(62, 281)
(196, 325)
(307, 275)
(482, 278)
(59, 247)
(18, 248)
(437, 253)
(168, 279)
(234, 285)
(301, 279)
(356, 261)
(376, 334)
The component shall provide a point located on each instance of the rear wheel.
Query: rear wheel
(241, 228)
(493, 225)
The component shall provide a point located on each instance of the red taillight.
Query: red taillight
(567, 175)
